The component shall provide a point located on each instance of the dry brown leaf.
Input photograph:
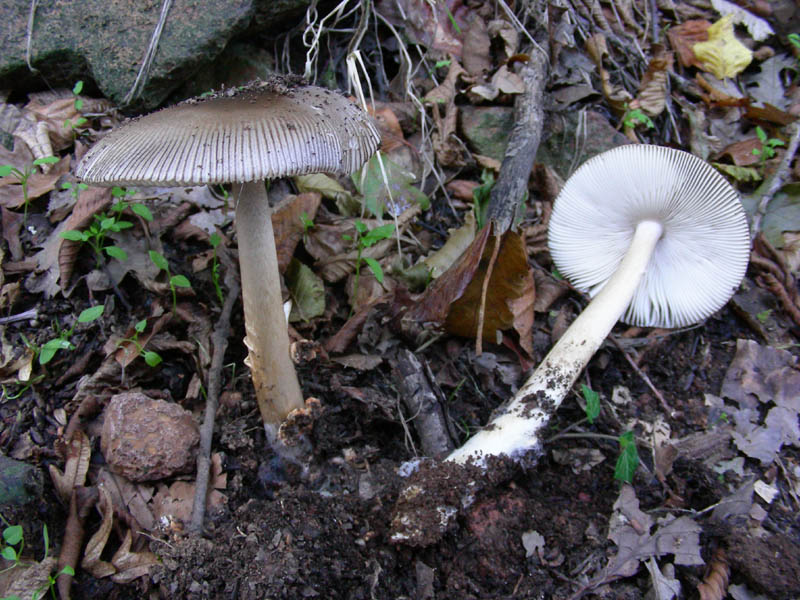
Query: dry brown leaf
(36, 134)
(11, 224)
(78, 453)
(458, 240)
(131, 565)
(54, 112)
(90, 202)
(616, 96)
(126, 352)
(429, 23)
(94, 547)
(369, 289)
(342, 338)
(135, 497)
(389, 127)
(434, 304)
(445, 92)
(500, 28)
(334, 256)
(741, 153)
(652, 94)
(288, 225)
(771, 114)
(26, 580)
(176, 501)
(509, 300)
(39, 184)
(462, 188)
(683, 37)
(449, 152)
(476, 49)
(631, 530)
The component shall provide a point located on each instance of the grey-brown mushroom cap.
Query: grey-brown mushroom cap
(261, 133)
(702, 255)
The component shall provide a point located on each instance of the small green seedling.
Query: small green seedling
(763, 316)
(794, 40)
(592, 399)
(13, 536)
(74, 189)
(307, 222)
(634, 117)
(152, 358)
(78, 104)
(63, 339)
(214, 239)
(175, 281)
(768, 146)
(106, 223)
(23, 176)
(481, 196)
(628, 458)
(365, 239)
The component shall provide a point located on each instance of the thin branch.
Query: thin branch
(220, 342)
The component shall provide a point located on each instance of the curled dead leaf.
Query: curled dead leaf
(76, 465)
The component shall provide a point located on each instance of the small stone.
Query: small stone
(145, 439)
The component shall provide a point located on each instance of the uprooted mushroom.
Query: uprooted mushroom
(245, 136)
(658, 238)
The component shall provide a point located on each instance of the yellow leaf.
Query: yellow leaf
(722, 55)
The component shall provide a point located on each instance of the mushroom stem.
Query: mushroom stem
(516, 430)
(267, 340)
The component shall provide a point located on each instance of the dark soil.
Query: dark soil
(322, 529)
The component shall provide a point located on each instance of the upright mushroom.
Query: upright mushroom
(244, 136)
(658, 238)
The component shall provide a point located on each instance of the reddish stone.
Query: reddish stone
(145, 439)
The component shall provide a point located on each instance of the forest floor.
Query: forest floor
(704, 504)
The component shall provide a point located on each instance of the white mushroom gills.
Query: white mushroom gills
(658, 237)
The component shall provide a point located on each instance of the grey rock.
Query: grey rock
(565, 146)
(145, 439)
(19, 482)
(105, 41)
(486, 128)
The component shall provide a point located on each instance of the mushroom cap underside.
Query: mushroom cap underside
(259, 134)
(702, 255)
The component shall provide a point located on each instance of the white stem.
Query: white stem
(516, 430)
(274, 378)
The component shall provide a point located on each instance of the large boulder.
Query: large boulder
(105, 42)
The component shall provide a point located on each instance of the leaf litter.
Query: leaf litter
(731, 443)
